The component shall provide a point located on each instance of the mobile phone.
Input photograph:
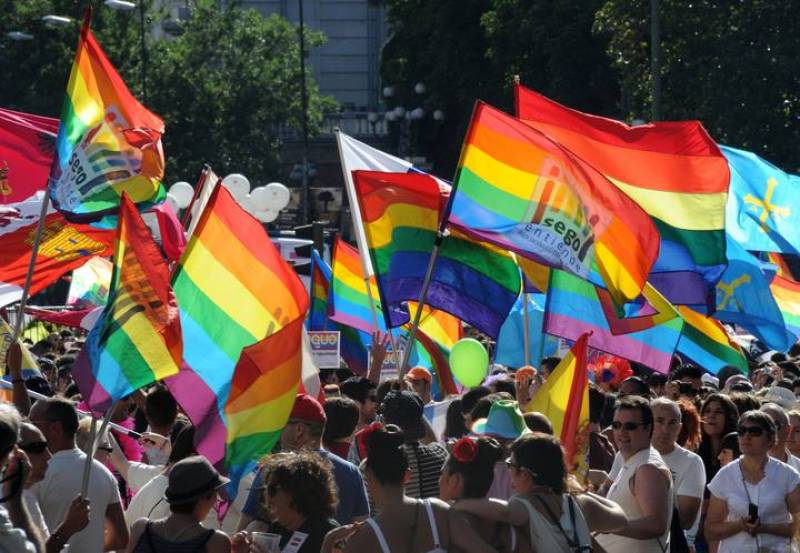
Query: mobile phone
(685, 388)
(752, 511)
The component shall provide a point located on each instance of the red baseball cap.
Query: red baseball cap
(307, 409)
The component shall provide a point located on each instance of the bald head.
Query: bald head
(781, 420)
(776, 413)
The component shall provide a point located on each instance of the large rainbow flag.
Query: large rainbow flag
(564, 399)
(474, 281)
(137, 339)
(674, 171)
(704, 341)
(353, 343)
(234, 290)
(348, 299)
(108, 143)
(787, 295)
(648, 334)
(520, 190)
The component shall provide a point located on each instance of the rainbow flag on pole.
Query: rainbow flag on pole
(648, 335)
(137, 339)
(520, 190)
(349, 301)
(787, 295)
(674, 171)
(108, 143)
(474, 281)
(354, 343)
(564, 399)
(704, 341)
(234, 290)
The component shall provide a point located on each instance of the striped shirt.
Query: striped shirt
(425, 462)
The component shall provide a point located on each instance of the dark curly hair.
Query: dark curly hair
(478, 474)
(307, 478)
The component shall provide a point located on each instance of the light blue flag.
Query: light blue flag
(510, 349)
(744, 298)
(763, 209)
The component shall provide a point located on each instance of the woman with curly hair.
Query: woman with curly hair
(300, 495)
(690, 434)
(468, 474)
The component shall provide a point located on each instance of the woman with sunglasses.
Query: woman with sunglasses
(556, 520)
(754, 499)
(468, 474)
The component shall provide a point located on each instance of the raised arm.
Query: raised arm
(511, 512)
(602, 515)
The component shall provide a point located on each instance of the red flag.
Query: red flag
(26, 153)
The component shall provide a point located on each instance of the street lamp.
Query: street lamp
(404, 118)
(126, 6)
(19, 35)
(57, 20)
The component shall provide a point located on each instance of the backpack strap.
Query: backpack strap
(572, 543)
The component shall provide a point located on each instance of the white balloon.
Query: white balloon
(183, 193)
(266, 215)
(247, 204)
(238, 185)
(172, 201)
(259, 197)
(278, 196)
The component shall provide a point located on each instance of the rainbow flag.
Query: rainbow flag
(234, 290)
(517, 188)
(348, 299)
(264, 386)
(318, 291)
(674, 171)
(574, 307)
(90, 284)
(564, 399)
(137, 339)
(435, 357)
(782, 267)
(108, 143)
(787, 295)
(472, 280)
(704, 341)
(353, 343)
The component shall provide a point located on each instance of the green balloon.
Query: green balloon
(469, 362)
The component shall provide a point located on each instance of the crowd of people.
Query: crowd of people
(680, 462)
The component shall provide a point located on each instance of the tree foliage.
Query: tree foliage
(732, 65)
(224, 87)
(471, 49)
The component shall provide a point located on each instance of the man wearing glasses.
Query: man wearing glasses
(640, 482)
(779, 451)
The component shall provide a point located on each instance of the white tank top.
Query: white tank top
(620, 493)
(437, 547)
(546, 537)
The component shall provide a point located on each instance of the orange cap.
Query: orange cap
(419, 373)
(526, 372)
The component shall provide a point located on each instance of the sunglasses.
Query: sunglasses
(628, 426)
(34, 448)
(106, 449)
(755, 431)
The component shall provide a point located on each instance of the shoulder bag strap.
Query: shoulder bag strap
(555, 522)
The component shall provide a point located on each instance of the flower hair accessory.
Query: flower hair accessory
(465, 450)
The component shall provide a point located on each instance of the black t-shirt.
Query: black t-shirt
(316, 530)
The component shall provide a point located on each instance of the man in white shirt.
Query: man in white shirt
(779, 451)
(688, 474)
(107, 531)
